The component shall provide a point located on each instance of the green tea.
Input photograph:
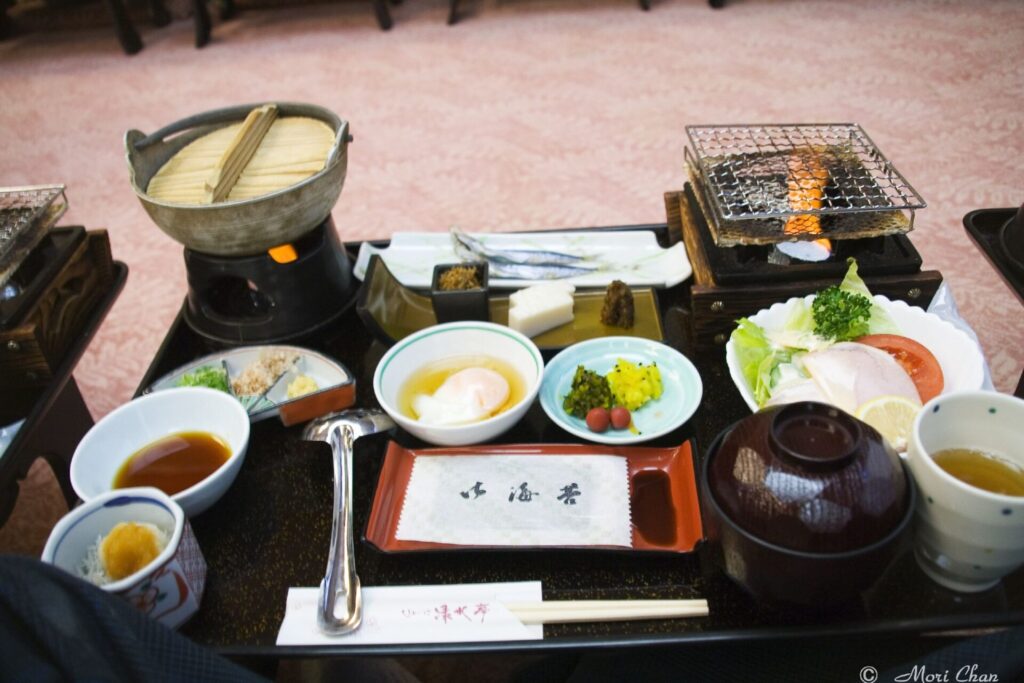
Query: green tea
(982, 470)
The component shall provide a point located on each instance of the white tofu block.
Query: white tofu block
(540, 308)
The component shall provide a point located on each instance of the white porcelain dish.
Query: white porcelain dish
(142, 421)
(335, 382)
(960, 357)
(634, 256)
(452, 340)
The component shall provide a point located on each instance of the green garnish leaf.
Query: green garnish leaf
(880, 321)
(840, 315)
(206, 376)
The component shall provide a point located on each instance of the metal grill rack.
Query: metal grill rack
(26, 216)
(753, 172)
(849, 226)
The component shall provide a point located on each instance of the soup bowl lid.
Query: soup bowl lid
(808, 477)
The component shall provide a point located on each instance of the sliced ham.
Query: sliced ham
(849, 374)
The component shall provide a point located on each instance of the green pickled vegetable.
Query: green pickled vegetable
(589, 390)
(206, 376)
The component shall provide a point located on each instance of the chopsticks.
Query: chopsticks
(239, 152)
(569, 611)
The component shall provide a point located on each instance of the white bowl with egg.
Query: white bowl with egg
(159, 568)
(421, 370)
(142, 422)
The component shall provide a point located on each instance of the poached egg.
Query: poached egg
(469, 395)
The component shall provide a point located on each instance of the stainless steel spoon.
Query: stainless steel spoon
(341, 430)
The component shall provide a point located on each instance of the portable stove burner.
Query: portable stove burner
(763, 263)
(736, 281)
(256, 299)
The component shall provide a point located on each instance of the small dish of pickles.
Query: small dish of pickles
(294, 383)
(661, 391)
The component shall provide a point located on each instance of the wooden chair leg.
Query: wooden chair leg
(56, 438)
(645, 5)
(383, 15)
(201, 16)
(126, 35)
(158, 13)
(6, 25)
(227, 9)
(453, 12)
(717, 4)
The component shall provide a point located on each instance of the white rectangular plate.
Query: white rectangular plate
(633, 256)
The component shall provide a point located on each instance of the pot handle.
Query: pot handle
(227, 115)
(341, 140)
(131, 149)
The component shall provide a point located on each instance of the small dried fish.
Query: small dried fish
(525, 271)
(522, 264)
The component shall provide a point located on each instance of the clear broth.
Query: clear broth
(427, 379)
(174, 463)
(982, 470)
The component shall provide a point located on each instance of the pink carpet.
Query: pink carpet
(531, 114)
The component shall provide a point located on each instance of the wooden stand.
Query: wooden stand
(59, 418)
(715, 308)
(31, 352)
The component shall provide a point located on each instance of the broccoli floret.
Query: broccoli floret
(840, 315)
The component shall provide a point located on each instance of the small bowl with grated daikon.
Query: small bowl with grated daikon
(135, 543)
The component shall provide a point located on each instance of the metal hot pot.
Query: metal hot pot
(244, 227)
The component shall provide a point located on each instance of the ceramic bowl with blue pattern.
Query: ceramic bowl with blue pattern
(169, 588)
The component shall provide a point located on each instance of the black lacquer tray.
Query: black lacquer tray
(984, 227)
(271, 531)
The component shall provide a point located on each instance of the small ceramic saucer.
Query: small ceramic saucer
(682, 387)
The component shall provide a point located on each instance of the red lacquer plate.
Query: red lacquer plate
(662, 489)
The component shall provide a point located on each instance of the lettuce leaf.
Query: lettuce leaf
(880, 321)
(758, 358)
(798, 330)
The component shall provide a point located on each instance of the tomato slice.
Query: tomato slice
(913, 357)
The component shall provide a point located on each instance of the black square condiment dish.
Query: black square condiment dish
(451, 305)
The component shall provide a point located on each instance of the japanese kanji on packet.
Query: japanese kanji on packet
(518, 500)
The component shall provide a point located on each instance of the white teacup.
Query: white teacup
(967, 538)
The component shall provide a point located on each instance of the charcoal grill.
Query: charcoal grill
(50, 281)
(745, 199)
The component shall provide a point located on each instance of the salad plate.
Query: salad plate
(681, 387)
(335, 386)
(959, 356)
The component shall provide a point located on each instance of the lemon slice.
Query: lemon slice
(892, 416)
